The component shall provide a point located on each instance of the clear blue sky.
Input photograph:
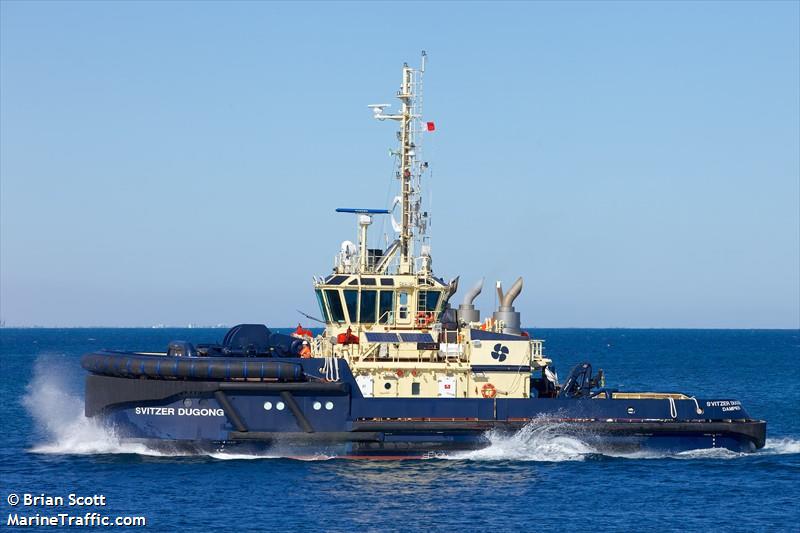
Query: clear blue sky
(637, 163)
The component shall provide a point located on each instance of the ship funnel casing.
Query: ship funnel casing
(505, 310)
(466, 310)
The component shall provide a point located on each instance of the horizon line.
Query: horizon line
(156, 327)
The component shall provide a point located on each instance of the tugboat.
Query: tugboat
(398, 371)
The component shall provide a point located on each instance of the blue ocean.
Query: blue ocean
(535, 481)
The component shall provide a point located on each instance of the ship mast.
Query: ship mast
(405, 95)
(410, 168)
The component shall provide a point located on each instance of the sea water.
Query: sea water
(537, 480)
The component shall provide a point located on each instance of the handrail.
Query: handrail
(365, 354)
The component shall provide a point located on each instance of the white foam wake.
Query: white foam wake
(58, 413)
(534, 442)
(561, 442)
(777, 446)
(781, 446)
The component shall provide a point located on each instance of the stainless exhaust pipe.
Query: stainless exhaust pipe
(511, 295)
(505, 309)
(466, 311)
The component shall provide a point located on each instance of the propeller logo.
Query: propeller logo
(500, 352)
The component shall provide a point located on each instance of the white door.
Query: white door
(365, 384)
(447, 387)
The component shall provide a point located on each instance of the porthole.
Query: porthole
(187, 402)
(267, 406)
(631, 410)
(329, 406)
(317, 406)
(280, 406)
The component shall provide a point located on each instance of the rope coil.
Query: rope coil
(673, 411)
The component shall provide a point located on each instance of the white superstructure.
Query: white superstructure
(389, 316)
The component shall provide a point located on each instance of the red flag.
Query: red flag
(431, 126)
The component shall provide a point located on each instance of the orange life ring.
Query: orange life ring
(424, 318)
(488, 391)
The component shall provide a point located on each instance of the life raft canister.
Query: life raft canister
(302, 332)
(488, 391)
(347, 337)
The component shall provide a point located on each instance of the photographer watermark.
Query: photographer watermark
(73, 516)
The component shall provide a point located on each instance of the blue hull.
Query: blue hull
(322, 418)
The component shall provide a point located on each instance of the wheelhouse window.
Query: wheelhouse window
(368, 301)
(429, 300)
(351, 300)
(386, 307)
(402, 305)
(337, 311)
(322, 308)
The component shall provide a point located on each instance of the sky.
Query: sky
(637, 163)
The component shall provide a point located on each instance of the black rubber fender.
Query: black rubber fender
(127, 364)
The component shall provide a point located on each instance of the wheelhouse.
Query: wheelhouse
(391, 302)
